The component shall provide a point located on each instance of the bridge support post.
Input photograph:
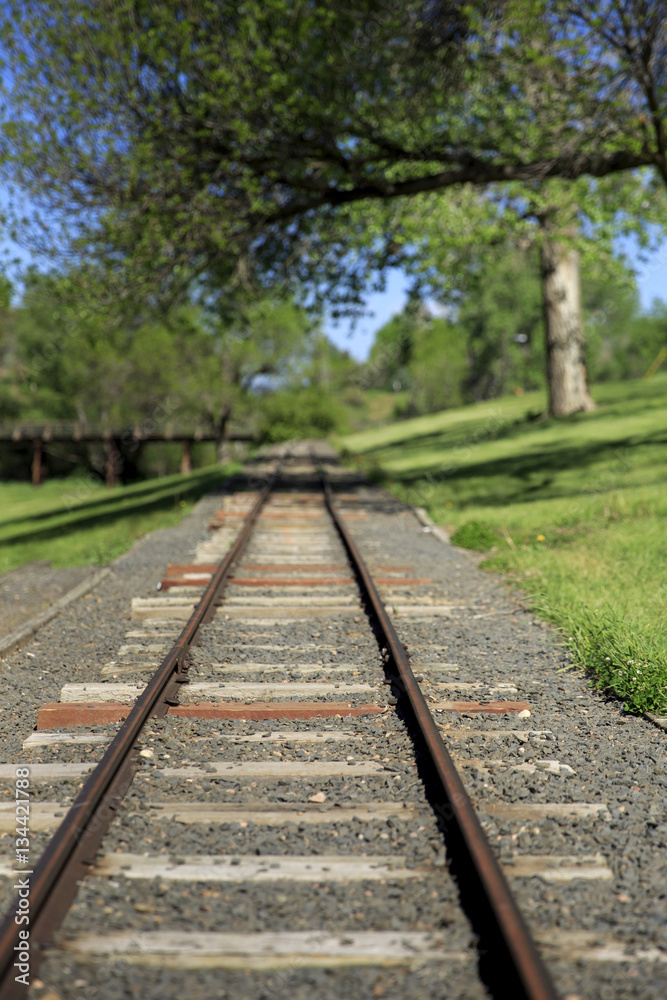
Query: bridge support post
(37, 462)
(186, 458)
(114, 463)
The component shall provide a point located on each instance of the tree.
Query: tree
(447, 242)
(393, 348)
(9, 397)
(439, 367)
(623, 43)
(267, 338)
(200, 130)
(328, 368)
(623, 340)
(574, 222)
(500, 320)
(226, 138)
(494, 341)
(196, 364)
(417, 352)
(490, 342)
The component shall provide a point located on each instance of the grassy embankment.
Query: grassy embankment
(75, 523)
(372, 408)
(572, 510)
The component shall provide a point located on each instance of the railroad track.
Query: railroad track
(275, 810)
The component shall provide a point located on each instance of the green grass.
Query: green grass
(475, 535)
(577, 507)
(369, 408)
(78, 522)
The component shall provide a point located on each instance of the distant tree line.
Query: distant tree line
(194, 364)
(266, 365)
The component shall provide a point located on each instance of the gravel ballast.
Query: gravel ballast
(573, 747)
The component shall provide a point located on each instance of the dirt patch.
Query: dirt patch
(27, 591)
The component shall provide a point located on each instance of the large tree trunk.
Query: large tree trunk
(567, 379)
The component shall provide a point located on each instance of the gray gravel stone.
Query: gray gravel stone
(580, 748)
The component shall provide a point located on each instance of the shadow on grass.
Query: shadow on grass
(478, 432)
(442, 438)
(111, 497)
(526, 468)
(126, 506)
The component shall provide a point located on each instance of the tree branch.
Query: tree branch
(476, 172)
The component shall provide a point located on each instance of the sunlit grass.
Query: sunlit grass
(578, 508)
(77, 522)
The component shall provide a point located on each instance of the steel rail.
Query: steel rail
(71, 851)
(517, 947)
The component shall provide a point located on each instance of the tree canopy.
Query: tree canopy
(191, 366)
(220, 138)
(216, 150)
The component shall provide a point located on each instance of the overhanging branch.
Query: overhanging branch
(475, 172)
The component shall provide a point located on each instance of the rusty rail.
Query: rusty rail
(71, 851)
(520, 972)
(524, 976)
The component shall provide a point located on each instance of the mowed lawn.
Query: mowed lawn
(76, 522)
(575, 511)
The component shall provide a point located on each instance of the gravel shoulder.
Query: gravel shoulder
(576, 747)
